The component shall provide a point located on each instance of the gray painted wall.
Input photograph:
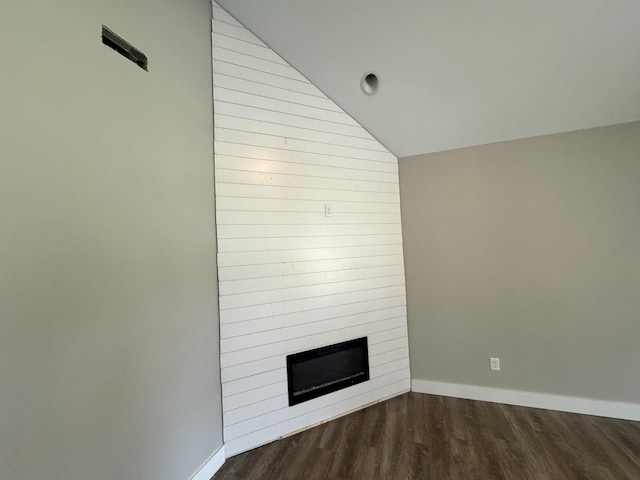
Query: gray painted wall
(109, 362)
(530, 251)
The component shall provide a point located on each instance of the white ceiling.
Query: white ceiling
(456, 73)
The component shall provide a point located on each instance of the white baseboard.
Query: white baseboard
(587, 406)
(211, 466)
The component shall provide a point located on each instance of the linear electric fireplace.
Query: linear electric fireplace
(324, 370)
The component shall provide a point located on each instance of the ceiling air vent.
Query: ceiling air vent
(124, 48)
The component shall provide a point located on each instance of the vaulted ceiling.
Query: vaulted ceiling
(461, 73)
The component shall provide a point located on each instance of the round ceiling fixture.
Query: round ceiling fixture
(369, 83)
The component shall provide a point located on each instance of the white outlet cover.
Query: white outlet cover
(328, 210)
(494, 363)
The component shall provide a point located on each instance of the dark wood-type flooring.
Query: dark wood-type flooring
(416, 436)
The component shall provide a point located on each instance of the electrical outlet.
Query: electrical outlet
(328, 210)
(495, 363)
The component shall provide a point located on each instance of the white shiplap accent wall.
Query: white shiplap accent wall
(290, 277)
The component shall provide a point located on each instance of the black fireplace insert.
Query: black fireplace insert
(327, 369)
